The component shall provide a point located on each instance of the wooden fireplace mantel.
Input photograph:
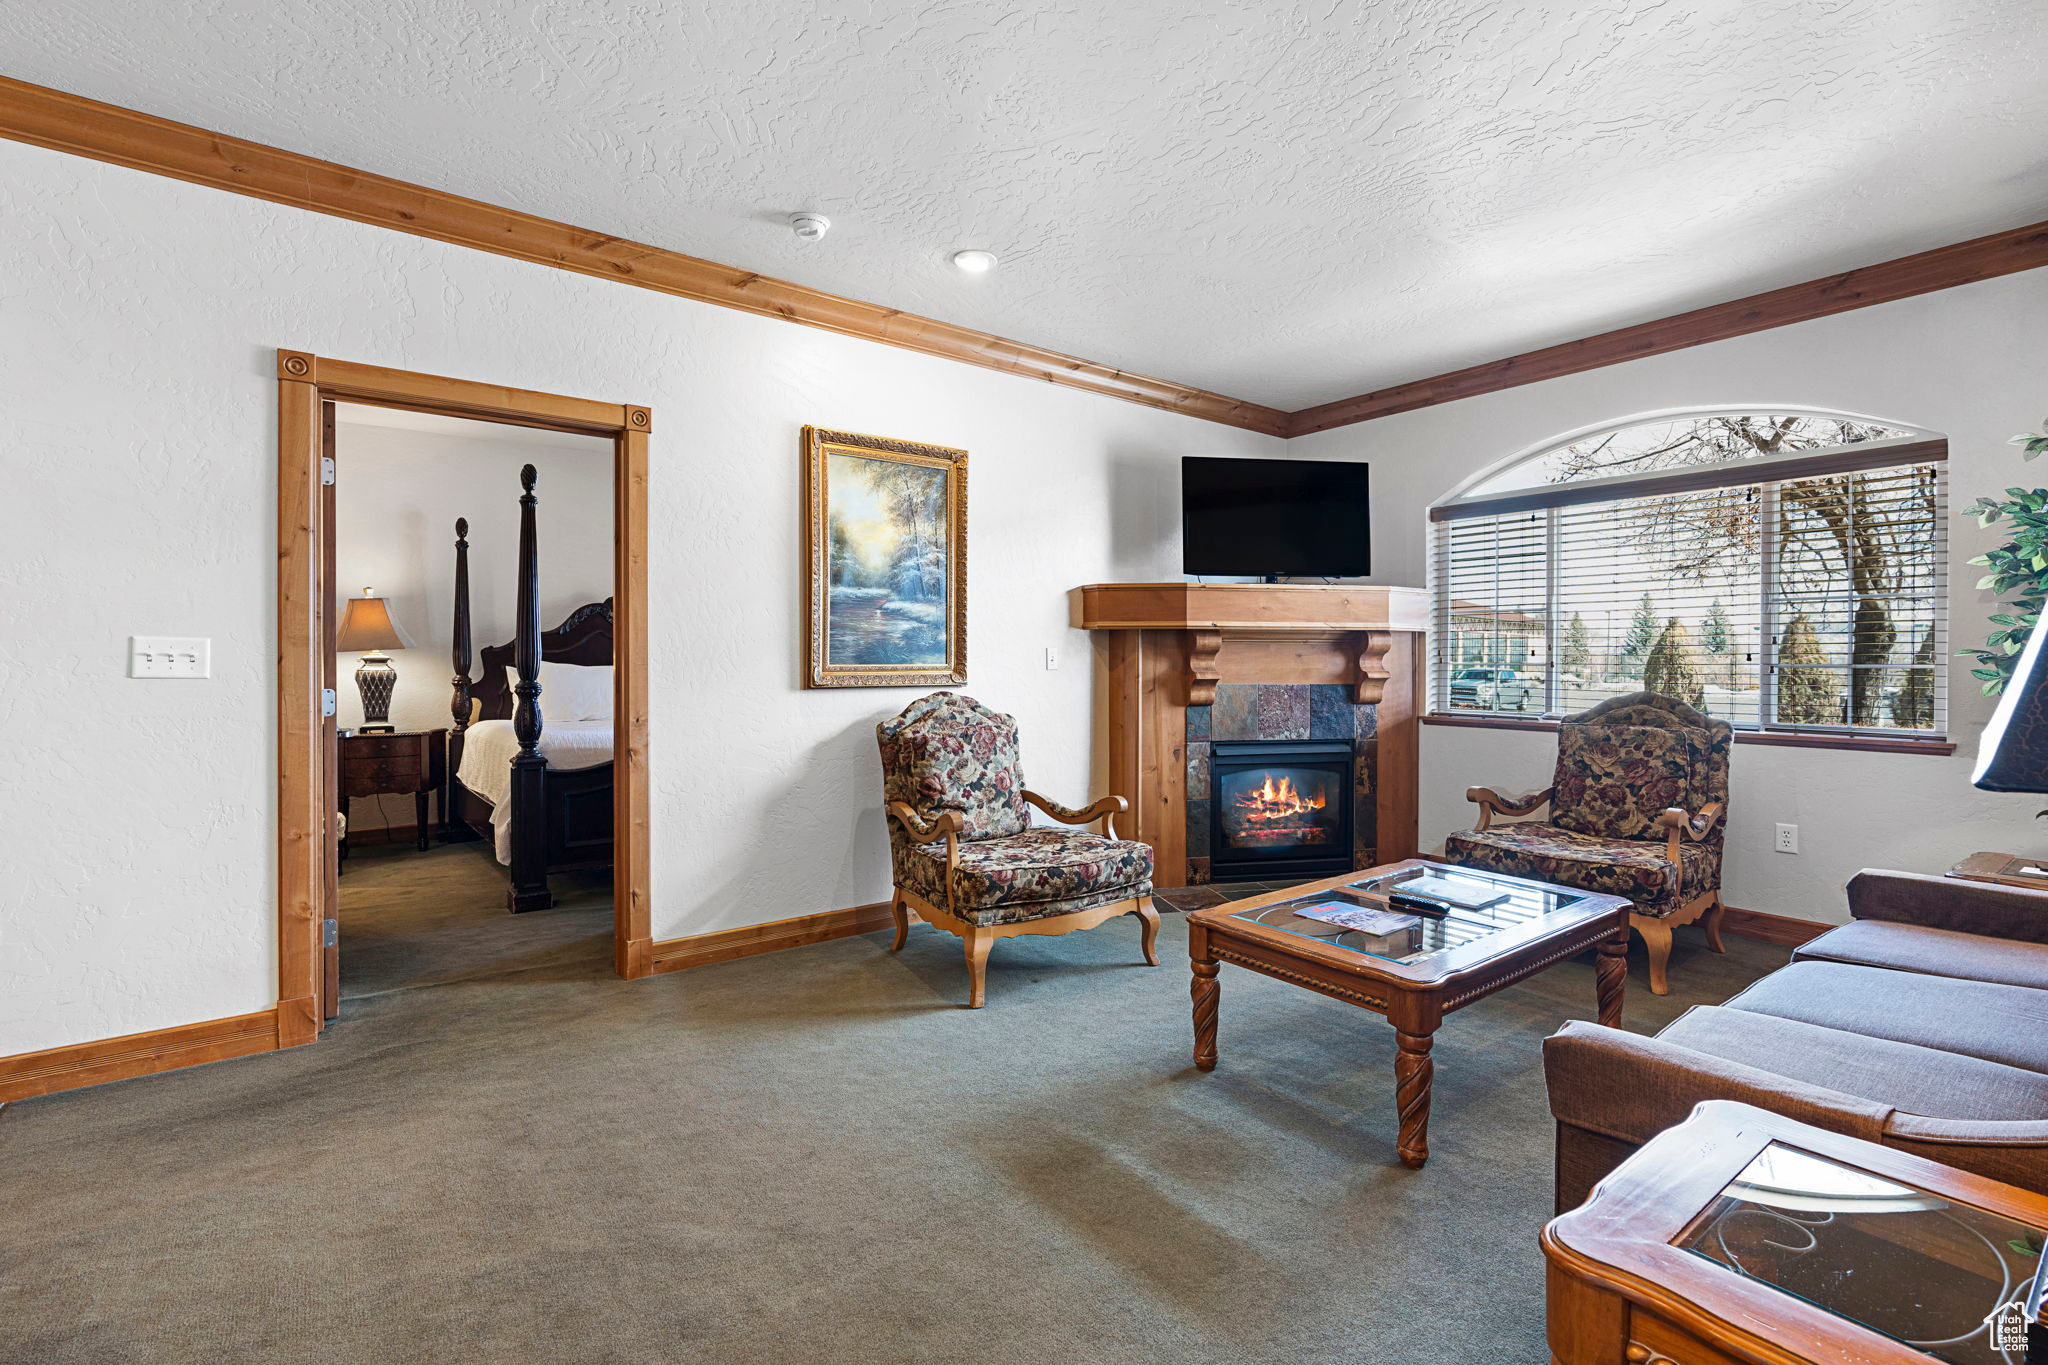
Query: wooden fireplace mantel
(1170, 644)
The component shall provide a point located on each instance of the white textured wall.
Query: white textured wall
(397, 495)
(1965, 362)
(138, 318)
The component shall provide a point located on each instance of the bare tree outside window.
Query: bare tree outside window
(1854, 557)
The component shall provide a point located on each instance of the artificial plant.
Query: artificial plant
(2018, 571)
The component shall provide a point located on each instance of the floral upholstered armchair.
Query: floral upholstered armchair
(1636, 809)
(965, 854)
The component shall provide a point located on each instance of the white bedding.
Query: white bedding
(489, 746)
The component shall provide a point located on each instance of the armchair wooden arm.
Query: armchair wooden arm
(946, 825)
(1102, 810)
(1492, 803)
(1679, 826)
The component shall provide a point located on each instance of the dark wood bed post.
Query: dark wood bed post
(459, 707)
(529, 769)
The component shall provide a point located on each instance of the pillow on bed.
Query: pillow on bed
(576, 692)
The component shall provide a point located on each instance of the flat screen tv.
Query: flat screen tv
(1275, 518)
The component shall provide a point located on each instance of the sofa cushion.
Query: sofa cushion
(1030, 875)
(1613, 781)
(1997, 1023)
(1905, 1076)
(1634, 868)
(1931, 952)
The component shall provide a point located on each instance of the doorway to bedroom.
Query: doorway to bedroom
(429, 515)
(462, 685)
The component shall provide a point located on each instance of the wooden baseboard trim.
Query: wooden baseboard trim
(137, 1054)
(675, 954)
(1783, 930)
(376, 835)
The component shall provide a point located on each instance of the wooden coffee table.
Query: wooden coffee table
(1458, 957)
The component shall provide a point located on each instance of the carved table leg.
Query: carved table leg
(1206, 990)
(1413, 1071)
(1611, 977)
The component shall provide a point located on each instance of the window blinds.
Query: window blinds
(1811, 600)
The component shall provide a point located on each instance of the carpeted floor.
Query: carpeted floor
(813, 1155)
(424, 919)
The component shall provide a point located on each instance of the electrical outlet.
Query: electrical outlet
(1052, 659)
(1788, 839)
(169, 656)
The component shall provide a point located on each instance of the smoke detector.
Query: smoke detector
(809, 226)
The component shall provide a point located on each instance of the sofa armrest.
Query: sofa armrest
(1626, 1086)
(1954, 903)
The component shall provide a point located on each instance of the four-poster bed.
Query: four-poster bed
(542, 796)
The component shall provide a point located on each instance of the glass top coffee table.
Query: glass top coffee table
(1413, 941)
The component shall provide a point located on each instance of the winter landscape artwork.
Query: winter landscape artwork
(887, 550)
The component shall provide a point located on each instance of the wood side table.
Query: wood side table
(2001, 868)
(410, 763)
(1741, 1237)
(1456, 959)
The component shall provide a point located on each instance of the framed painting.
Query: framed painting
(885, 561)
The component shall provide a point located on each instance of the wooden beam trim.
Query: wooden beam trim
(723, 945)
(124, 137)
(1981, 258)
(136, 1054)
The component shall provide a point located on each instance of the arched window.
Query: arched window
(1785, 571)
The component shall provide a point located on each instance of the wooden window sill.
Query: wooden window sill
(1869, 744)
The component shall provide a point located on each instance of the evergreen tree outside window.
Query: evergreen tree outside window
(1783, 571)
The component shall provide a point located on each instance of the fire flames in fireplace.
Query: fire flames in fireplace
(1278, 812)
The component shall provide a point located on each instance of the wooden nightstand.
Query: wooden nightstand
(411, 762)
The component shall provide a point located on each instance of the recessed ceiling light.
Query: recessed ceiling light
(975, 262)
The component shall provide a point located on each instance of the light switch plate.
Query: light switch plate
(170, 656)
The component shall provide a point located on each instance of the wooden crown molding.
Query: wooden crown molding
(1982, 258)
(104, 132)
(124, 137)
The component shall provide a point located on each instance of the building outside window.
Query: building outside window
(1782, 571)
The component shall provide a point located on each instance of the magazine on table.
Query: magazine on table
(1365, 919)
(1447, 891)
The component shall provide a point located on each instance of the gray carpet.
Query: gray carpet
(424, 919)
(809, 1156)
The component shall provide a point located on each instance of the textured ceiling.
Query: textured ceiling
(1288, 203)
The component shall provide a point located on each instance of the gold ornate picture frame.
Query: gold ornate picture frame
(885, 561)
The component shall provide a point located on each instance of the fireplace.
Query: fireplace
(1280, 808)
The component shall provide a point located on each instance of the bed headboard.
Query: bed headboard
(584, 637)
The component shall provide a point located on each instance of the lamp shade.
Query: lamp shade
(2013, 755)
(366, 626)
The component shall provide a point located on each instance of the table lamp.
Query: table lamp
(367, 627)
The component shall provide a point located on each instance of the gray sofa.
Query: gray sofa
(1922, 1024)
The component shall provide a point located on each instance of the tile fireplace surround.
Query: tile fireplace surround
(1186, 664)
(1280, 711)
